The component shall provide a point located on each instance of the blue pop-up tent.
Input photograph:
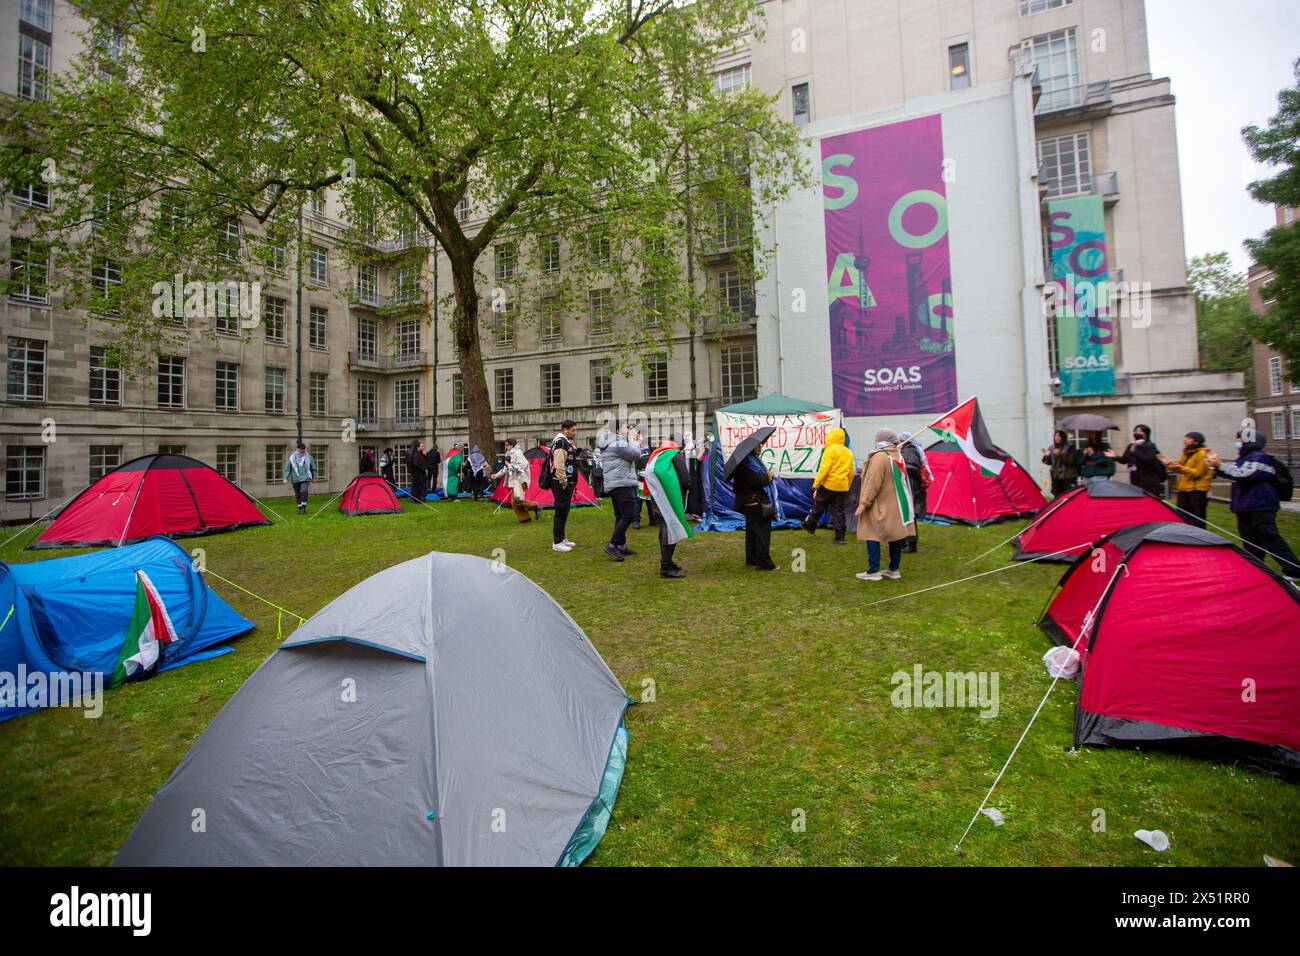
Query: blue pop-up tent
(793, 496)
(69, 616)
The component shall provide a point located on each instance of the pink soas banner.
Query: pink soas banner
(889, 283)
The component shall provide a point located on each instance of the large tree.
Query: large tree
(595, 123)
(1223, 314)
(1278, 250)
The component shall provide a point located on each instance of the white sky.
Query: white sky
(1226, 62)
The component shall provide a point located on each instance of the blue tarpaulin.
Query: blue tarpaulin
(70, 615)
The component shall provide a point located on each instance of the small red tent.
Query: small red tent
(582, 494)
(369, 494)
(1185, 641)
(1084, 515)
(961, 491)
(155, 494)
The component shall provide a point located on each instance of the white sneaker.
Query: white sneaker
(562, 546)
(892, 575)
(571, 544)
(868, 576)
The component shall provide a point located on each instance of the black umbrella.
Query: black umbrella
(1087, 422)
(745, 449)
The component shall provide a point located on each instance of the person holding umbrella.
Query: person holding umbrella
(751, 478)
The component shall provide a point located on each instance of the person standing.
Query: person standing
(1062, 461)
(564, 478)
(831, 485)
(753, 500)
(367, 464)
(1143, 459)
(516, 470)
(1255, 501)
(478, 473)
(300, 471)
(1194, 478)
(885, 510)
(434, 466)
(386, 466)
(667, 483)
(1095, 464)
(418, 465)
(619, 453)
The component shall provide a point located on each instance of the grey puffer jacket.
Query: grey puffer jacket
(619, 458)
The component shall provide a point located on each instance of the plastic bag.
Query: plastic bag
(1062, 662)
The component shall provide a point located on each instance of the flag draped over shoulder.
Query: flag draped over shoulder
(150, 628)
(661, 485)
(451, 472)
(964, 427)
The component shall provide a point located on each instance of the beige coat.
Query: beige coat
(879, 517)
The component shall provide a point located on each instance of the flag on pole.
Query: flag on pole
(661, 485)
(902, 489)
(964, 427)
(150, 628)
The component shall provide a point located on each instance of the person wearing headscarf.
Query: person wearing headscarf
(1143, 459)
(478, 473)
(1194, 478)
(386, 466)
(516, 471)
(1062, 461)
(918, 473)
(753, 500)
(300, 471)
(885, 509)
(418, 465)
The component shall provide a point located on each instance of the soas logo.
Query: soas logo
(892, 376)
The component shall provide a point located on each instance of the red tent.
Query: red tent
(154, 494)
(1192, 644)
(582, 495)
(1087, 514)
(961, 491)
(369, 494)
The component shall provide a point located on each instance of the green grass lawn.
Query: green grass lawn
(772, 696)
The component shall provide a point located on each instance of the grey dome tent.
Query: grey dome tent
(411, 721)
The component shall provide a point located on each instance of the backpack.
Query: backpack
(546, 476)
(1282, 476)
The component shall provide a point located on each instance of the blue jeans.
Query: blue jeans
(895, 555)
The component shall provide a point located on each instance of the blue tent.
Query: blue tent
(69, 616)
(793, 496)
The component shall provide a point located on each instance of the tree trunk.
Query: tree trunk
(472, 376)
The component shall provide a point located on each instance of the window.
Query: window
(550, 250)
(801, 104)
(33, 193)
(1295, 423)
(367, 339)
(457, 392)
(105, 379)
(368, 284)
(652, 304)
(103, 459)
(1057, 59)
(959, 66)
(505, 262)
(462, 206)
(227, 387)
(1065, 164)
(29, 266)
(602, 381)
(317, 392)
(1274, 374)
(406, 400)
(33, 68)
(110, 47)
(656, 377)
(321, 454)
(171, 449)
(24, 472)
(276, 258)
(226, 321)
(105, 281)
(171, 382)
(731, 228)
(735, 296)
(406, 284)
(318, 202)
(318, 265)
(739, 373)
(504, 327)
(503, 380)
(274, 312)
(406, 338)
(37, 13)
(173, 214)
(274, 391)
(551, 330)
(550, 385)
(227, 465)
(733, 78)
(598, 247)
(275, 458)
(228, 238)
(367, 401)
(1038, 6)
(598, 309)
(316, 322)
(1279, 427)
(26, 380)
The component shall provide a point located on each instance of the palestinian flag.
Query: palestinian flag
(150, 628)
(964, 427)
(660, 484)
(451, 472)
(902, 489)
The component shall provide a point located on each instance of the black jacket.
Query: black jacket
(751, 487)
(1145, 469)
